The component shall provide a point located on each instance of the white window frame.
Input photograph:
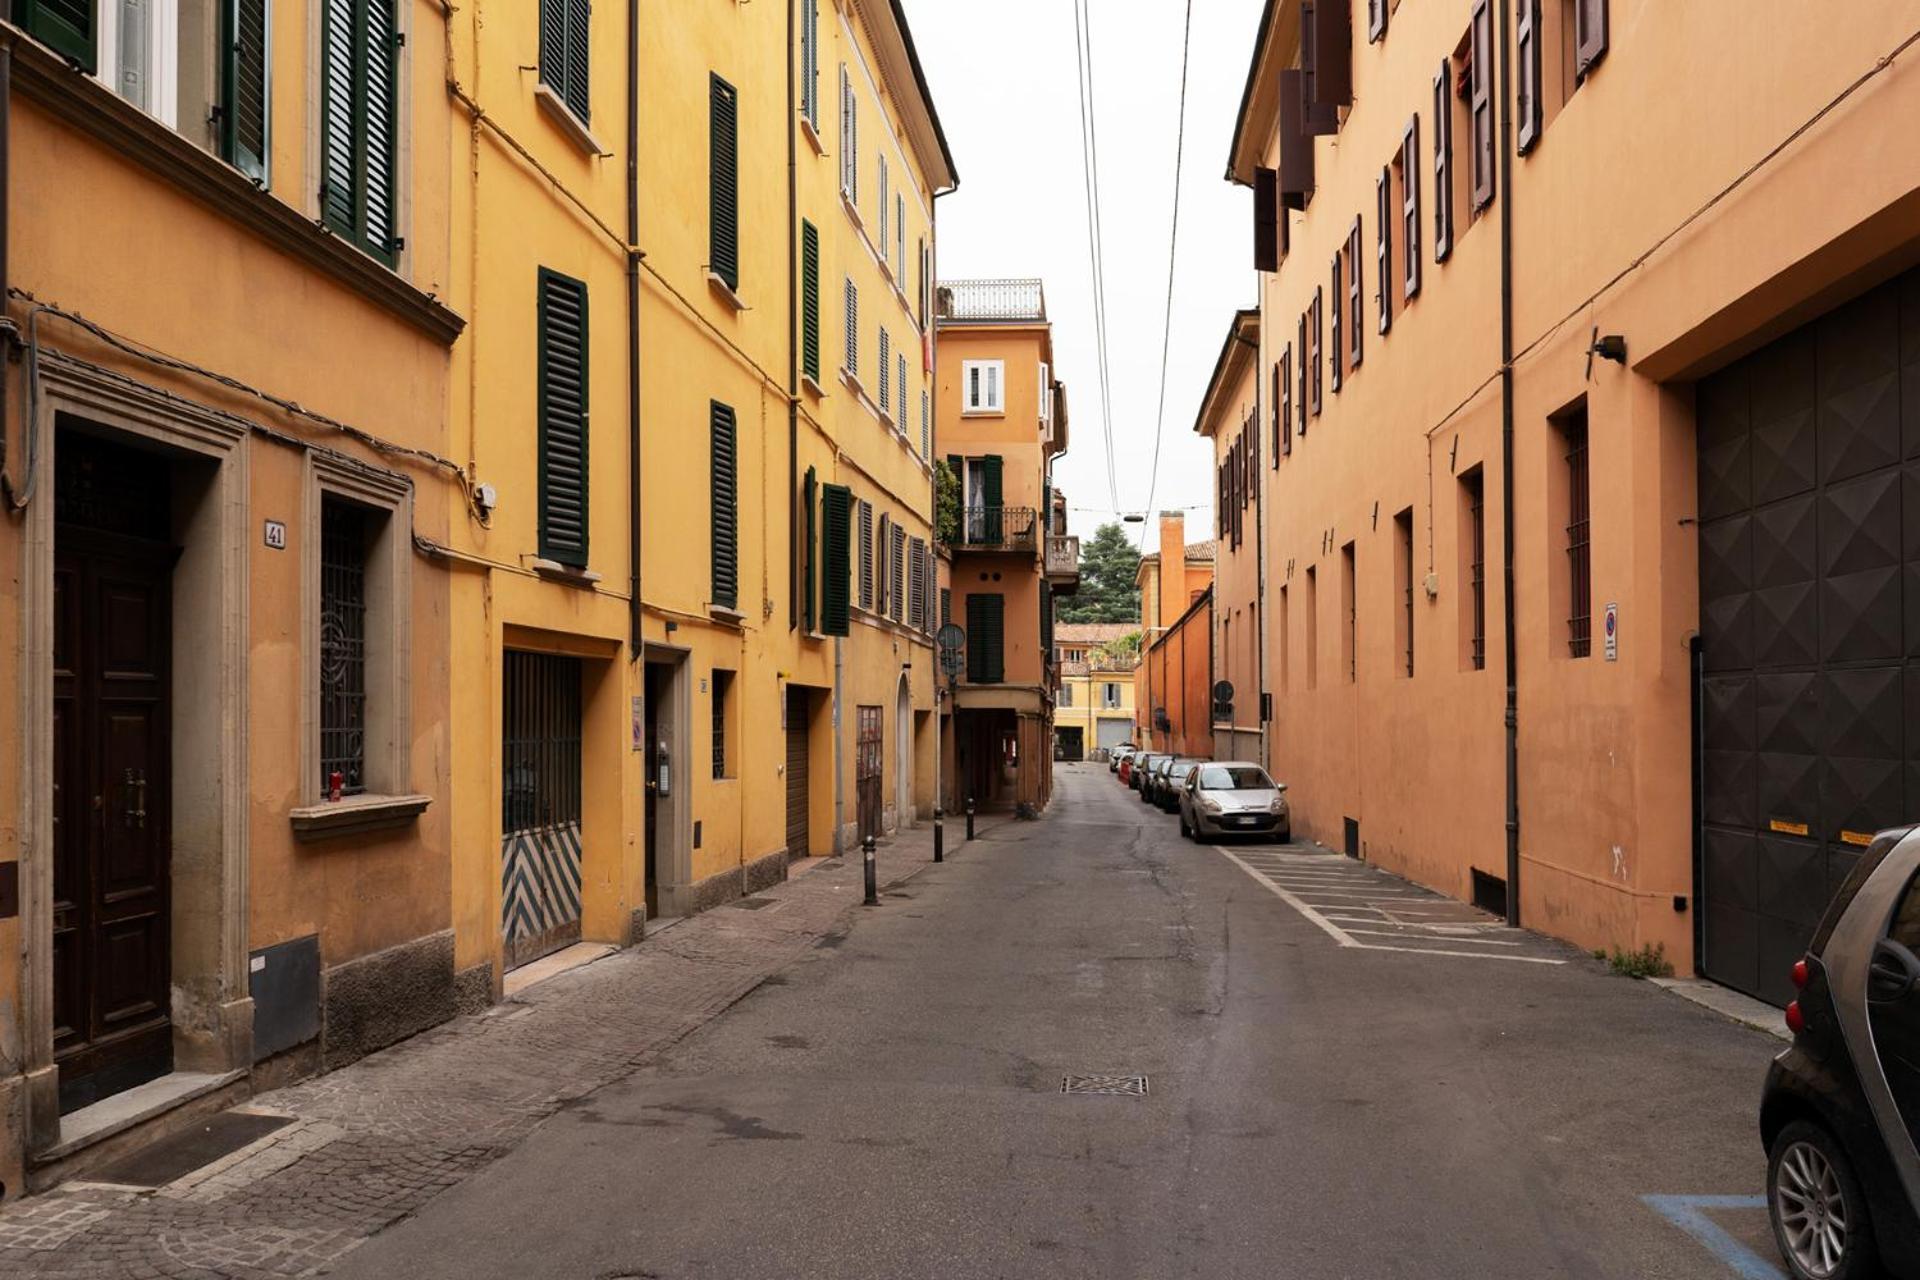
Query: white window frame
(163, 55)
(1110, 695)
(1046, 397)
(851, 321)
(849, 139)
(988, 395)
(885, 208)
(886, 371)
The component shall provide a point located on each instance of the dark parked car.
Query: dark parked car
(1138, 766)
(1156, 774)
(1842, 1105)
(1172, 779)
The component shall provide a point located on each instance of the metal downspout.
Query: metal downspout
(793, 335)
(1505, 197)
(636, 613)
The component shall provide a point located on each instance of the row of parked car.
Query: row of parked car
(1212, 797)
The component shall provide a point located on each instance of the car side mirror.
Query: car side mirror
(1893, 972)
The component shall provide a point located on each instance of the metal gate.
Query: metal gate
(798, 774)
(1809, 609)
(540, 797)
(868, 765)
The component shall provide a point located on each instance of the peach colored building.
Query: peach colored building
(1001, 419)
(1591, 392)
(1167, 602)
(1230, 420)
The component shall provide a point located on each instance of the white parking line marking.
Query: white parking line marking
(1379, 933)
(1332, 930)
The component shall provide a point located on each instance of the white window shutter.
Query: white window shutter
(883, 208)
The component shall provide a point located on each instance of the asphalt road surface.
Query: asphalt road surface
(1433, 1097)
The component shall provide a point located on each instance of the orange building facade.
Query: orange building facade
(1176, 625)
(1229, 420)
(1586, 598)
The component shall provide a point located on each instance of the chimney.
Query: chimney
(1173, 567)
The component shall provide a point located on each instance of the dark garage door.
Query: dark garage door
(1810, 624)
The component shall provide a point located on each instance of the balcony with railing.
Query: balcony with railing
(993, 302)
(1063, 563)
(1015, 529)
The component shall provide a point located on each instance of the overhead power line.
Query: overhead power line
(1173, 255)
(1096, 233)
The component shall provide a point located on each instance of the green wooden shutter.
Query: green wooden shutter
(986, 638)
(724, 183)
(1046, 622)
(810, 299)
(991, 468)
(726, 508)
(836, 558)
(563, 419)
(380, 144)
(359, 121)
(809, 567)
(65, 25)
(243, 86)
(553, 46)
(579, 91)
(339, 117)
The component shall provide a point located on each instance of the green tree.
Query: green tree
(946, 511)
(1108, 565)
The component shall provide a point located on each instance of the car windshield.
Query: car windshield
(1180, 769)
(1234, 778)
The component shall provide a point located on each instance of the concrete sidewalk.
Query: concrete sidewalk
(373, 1142)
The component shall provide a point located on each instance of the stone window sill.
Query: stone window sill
(727, 617)
(812, 135)
(818, 392)
(355, 815)
(554, 571)
(567, 122)
(725, 292)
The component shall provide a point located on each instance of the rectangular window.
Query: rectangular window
(849, 140)
(1266, 220)
(1480, 103)
(853, 330)
(1066, 695)
(1300, 390)
(836, 558)
(1286, 656)
(900, 393)
(1473, 568)
(725, 506)
(722, 690)
(810, 62)
(562, 412)
(566, 53)
(1528, 73)
(1336, 354)
(1403, 586)
(946, 606)
(1590, 35)
(1356, 327)
(983, 386)
(1283, 395)
(1573, 441)
(1376, 20)
(926, 424)
(866, 556)
(1349, 615)
(809, 556)
(1410, 206)
(359, 113)
(1313, 627)
(724, 240)
(986, 637)
(245, 106)
(886, 370)
(343, 645)
(1387, 212)
(926, 282)
(885, 206)
(900, 238)
(1313, 332)
(917, 583)
(1443, 161)
(810, 300)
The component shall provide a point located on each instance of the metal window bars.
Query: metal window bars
(343, 647)
(992, 301)
(1579, 544)
(540, 784)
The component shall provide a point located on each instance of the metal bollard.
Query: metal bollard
(872, 871)
(969, 817)
(939, 837)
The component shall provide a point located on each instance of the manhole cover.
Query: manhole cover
(1122, 1086)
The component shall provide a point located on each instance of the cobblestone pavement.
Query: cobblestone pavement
(373, 1142)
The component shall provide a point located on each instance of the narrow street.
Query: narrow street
(891, 1105)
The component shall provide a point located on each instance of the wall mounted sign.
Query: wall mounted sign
(276, 535)
(1611, 629)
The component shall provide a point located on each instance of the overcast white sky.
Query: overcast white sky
(1003, 78)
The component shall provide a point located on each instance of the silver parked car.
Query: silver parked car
(1118, 754)
(1234, 798)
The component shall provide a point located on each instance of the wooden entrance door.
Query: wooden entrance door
(112, 783)
(798, 780)
(869, 763)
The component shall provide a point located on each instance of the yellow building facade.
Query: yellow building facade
(226, 855)
(1093, 689)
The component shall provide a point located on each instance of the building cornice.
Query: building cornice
(1237, 354)
(83, 103)
(886, 25)
(1276, 45)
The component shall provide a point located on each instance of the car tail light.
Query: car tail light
(1796, 1020)
(1800, 975)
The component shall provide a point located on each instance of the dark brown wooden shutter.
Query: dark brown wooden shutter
(1410, 203)
(723, 253)
(1300, 398)
(1282, 435)
(1589, 34)
(725, 506)
(1333, 53)
(1480, 104)
(1336, 353)
(1376, 20)
(1266, 220)
(1385, 213)
(1443, 162)
(562, 410)
(1526, 48)
(1283, 391)
(836, 559)
(810, 555)
(1356, 326)
(1296, 144)
(66, 26)
(1314, 331)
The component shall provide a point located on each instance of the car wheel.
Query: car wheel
(1185, 830)
(1818, 1210)
(1284, 836)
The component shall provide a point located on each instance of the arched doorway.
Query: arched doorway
(903, 756)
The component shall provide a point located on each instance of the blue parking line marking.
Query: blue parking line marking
(1689, 1214)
